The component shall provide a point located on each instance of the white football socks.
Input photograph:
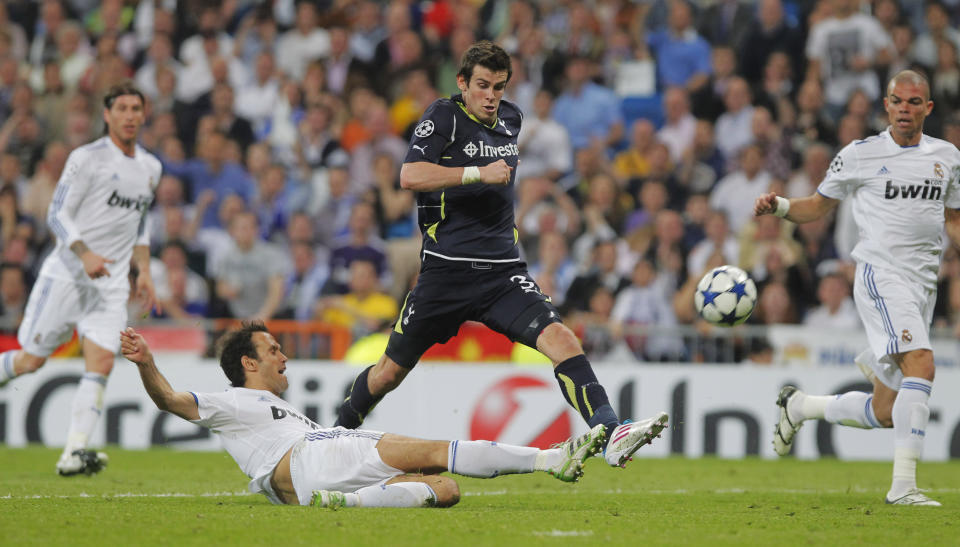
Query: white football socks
(853, 409)
(910, 417)
(486, 459)
(87, 406)
(398, 494)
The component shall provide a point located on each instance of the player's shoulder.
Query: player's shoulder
(149, 158)
(441, 106)
(91, 149)
(941, 147)
(510, 111)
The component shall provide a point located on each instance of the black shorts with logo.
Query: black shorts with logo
(502, 296)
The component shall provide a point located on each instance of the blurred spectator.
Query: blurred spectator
(771, 32)
(750, 180)
(843, 52)
(718, 240)
(804, 182)
(211, 172)
(250, 277)
(634, 74)
(775, 307)
(812, 123)
(726, 22)
(208, 59)
(364, 308)
(590, 112)
(367, 30)
(652, 198)
(396, 211)
(274, 202)
(703, 163)
(344, 69)
(360, 243)
(683, 56)
(14, 33)
(634, 162)
(593, 325)
(332, 202)
(680, 125)
(316, 143)
(255, 101)
(181, 292)
(733, 128)
(938, 29)
(666, 250)
(302, 285)
(73, 54)
(553, 262)
(234, 127)
(602, 272)
(775, 143)
(708, 101)
(646, 302)
(416, 93)
(14, 289)
(544, 143)
(256, 34)
(382, 141)
(43, 47)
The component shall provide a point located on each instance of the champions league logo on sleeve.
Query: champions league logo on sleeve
(836, 165)
(424, 129)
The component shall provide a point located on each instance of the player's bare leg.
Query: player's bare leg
(16, 362)
(86, 409)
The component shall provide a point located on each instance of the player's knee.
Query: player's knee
(559, 343)
(884, 415)
(446, 489)
(919, 364)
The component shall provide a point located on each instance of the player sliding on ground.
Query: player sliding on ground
(905, 191)
(292, 460)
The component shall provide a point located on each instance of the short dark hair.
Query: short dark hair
(125, 87)
(486, 54)
(235, 345)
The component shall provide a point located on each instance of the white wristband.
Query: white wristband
(783, 207)
(470, 175)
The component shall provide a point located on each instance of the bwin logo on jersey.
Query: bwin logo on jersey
(487, 151)
(931, 189)
(138, 204)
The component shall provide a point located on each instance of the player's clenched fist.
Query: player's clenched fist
(765, 204)
(497, 172)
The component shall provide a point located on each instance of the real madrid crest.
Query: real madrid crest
(938, 170)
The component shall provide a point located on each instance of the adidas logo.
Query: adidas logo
(883, 171)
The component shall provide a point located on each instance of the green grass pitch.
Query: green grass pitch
(165, 497)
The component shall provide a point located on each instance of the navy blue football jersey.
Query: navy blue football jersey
(472, 222)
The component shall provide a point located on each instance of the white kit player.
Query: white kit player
(98, 215)
(904, 187)
(292, 460)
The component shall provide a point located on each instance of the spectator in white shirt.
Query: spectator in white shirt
(836, 309)
(544, 143)
(303, 43)
(734, 127)
(750, 179)
(680, 125)
(718, 239)
(255, 101)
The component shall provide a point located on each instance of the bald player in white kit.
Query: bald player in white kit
(905, 191)
(98, 215)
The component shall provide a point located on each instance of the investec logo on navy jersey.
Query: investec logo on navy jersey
(487, 151)
(930, 189)
(138, 203)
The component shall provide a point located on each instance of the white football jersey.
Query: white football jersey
(102, 199)
(257, 427)
(899, 194)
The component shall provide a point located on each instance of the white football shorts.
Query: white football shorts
(56, 307)
(896, 313)
(339, 459)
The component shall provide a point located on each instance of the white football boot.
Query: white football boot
(80, 461)
(786, 426)
(627, 437)
(913, 497)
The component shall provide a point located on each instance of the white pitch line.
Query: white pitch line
(564, 533)
(128, 495)
(721, 491)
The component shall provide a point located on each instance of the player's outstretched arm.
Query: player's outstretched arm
(181, 403)
(423, 176)
(797, 210)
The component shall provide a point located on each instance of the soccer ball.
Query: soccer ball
(725, 296)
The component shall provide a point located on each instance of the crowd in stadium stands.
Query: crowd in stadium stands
(649, 128)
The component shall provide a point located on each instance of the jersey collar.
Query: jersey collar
(458, 99)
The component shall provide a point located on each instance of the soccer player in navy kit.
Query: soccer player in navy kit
(461, 162)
